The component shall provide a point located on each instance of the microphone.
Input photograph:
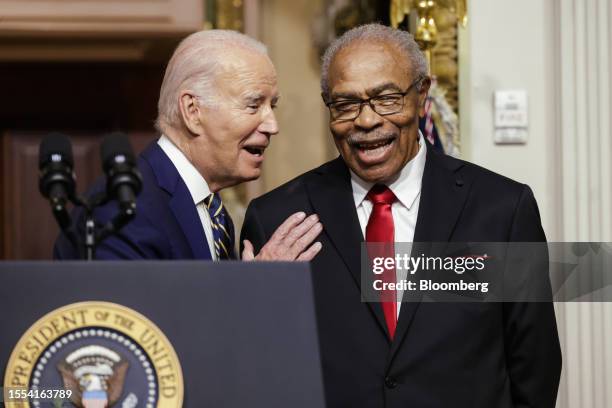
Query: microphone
(124, 181)
(57, 180)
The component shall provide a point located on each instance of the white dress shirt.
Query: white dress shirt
(196, 184)
(407, 188)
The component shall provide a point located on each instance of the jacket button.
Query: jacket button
(390, 382)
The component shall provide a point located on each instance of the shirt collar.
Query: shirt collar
(406, 185)
(196, 184)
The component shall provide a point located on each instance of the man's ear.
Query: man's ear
(190, 112)
(423, 90)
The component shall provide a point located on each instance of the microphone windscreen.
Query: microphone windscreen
(55, 147)
(114, 145)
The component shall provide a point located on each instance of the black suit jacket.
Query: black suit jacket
(472, 355)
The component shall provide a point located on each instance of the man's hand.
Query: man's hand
(290, 242)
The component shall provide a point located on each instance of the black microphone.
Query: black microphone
(123, 180)
(57, 180)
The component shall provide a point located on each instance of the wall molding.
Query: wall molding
(584, 99)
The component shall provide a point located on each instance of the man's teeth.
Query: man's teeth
(373, 146)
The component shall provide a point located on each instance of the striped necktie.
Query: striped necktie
(221, 227)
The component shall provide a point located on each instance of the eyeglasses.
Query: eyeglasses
(387, 104)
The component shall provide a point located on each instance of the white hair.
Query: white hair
(193, 66)
(402, 40)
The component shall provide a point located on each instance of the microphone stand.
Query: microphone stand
(90, 233)
(61, 215)
(114, 225)
(93, 233)
(86, 252)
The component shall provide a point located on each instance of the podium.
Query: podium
(159, 334)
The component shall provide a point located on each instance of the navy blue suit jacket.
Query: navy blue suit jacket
(166, 226)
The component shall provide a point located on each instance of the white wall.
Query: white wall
(559, 51)
(508, 46)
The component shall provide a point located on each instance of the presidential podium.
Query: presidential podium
(159, 334)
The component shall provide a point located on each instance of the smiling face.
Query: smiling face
(232, 133)
(375, 147)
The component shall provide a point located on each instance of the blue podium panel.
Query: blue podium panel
(165, 334)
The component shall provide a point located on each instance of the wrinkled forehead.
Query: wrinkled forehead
(243, 71)
(366, 65)
(245, 62)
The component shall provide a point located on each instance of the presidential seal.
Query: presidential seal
(94, 355)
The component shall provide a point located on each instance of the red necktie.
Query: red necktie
(380, 229)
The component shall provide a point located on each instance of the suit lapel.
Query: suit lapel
(187, 216)
(331, 195)
(181, 203)
(443, 195)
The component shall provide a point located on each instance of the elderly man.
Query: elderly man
(216, 119)
(389, 185)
